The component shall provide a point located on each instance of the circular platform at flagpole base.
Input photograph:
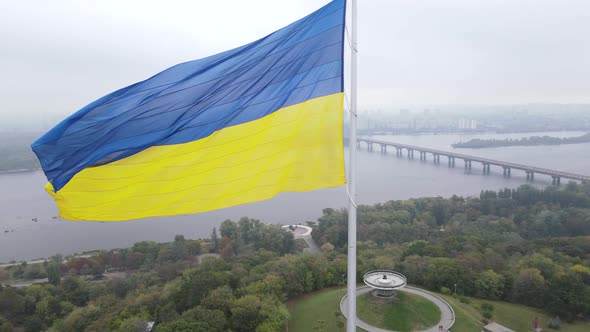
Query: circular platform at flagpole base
(384, 282)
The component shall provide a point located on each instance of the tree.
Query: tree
(528, 288)
(195, 286)
(33, 324)
(183, 324)
(327, 248)
(215, 240)
(12, 304)
(34, 271)
(542, 263)
(440, 215)
(48, 309)
(179, 248)
(149, 249)
(489, 285)
(80, 318)
(215, 319)
(246, 315)
(119, 287)
(568, 297)
(220, 298)
(258, 313)
(227, 250)
(75, 291)
(5, 326)
(133, 324)
(447, 272)
(229, 229)
(54, 273)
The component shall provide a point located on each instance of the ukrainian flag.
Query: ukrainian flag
(236, 127)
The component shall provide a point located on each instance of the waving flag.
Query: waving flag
(233, 128)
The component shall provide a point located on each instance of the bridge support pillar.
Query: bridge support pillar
(467, 164)
(358, 144)
(530, 176)
(410, 154)
(422, 155)
(451, 161)
(370, 147)
(437, 158)
(399, 152)
(486, 169)
(506, 171)
(383, 148)
(556, 180)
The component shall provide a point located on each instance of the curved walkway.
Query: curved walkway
(304, 233)
(447, 315)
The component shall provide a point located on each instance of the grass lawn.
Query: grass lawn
(408, 312)
(467, 319)
(317, 311)
(514, 316)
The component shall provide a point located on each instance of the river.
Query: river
(380, 178)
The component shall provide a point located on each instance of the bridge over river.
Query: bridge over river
(486, 163)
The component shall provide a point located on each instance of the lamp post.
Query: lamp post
(455, 288)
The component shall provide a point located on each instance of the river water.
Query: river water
(380, 178)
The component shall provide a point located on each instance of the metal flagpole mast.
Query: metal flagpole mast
(351, 281)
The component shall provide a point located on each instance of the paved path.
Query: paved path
(447, 315)
(313, 247)
(39, 261)
(304, 233)
(107, 275)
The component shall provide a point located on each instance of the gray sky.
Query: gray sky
(60, 55)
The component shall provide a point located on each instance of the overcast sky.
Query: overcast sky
(57, 56)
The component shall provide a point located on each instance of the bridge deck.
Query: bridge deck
(523, 167)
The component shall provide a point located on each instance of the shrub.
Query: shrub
(554, 323)
(487, 310)
(487, 307)
(445, 290)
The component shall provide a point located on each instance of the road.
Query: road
(107, 275)
(39, 261)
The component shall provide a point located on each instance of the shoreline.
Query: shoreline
(23, 170)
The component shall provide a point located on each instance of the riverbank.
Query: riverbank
(477, 143)
(380, 178)
(24, 170)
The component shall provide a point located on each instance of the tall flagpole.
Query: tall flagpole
(351, 286)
